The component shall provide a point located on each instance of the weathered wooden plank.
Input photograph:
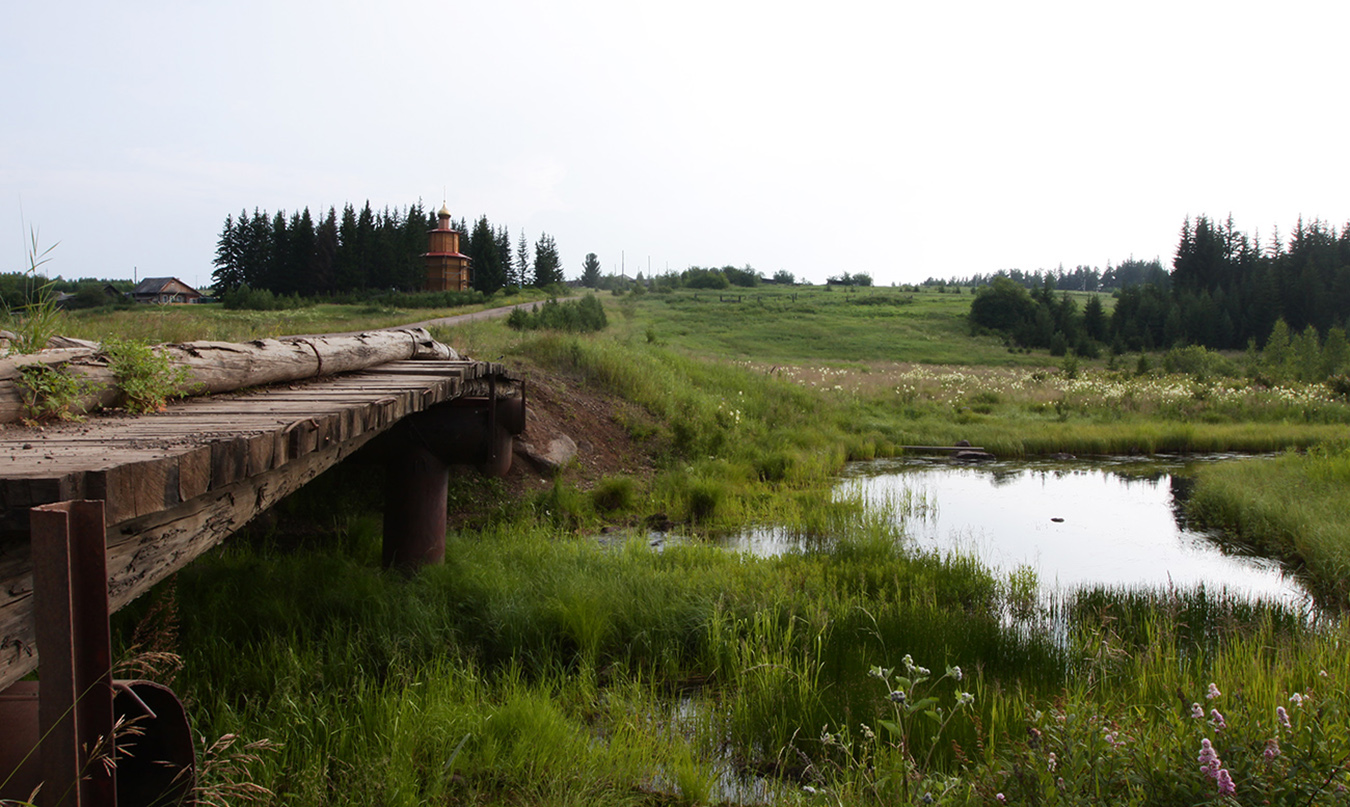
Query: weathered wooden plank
(134, 489)
(261, 453)
(301, 437)
(194, 473)
(229, 461)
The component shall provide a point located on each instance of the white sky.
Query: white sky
(898, 138)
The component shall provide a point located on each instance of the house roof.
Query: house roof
(157, 285)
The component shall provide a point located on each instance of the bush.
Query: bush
(696, 278)
(244, 298)
(580, 316)
(146, 378)
(1198, 361)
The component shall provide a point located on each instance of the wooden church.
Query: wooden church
(447, 268)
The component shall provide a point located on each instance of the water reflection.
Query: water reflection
(1115, 522)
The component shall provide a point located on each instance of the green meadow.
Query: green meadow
(562, 657)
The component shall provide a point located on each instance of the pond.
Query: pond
(1113, 522)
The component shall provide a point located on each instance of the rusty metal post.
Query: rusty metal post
(493, 448)
(417, 483)
(75, 696)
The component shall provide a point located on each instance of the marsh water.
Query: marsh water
(1114, 522)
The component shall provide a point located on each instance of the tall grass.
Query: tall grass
(523, 641)
(1294, 507)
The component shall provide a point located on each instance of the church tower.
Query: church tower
(447, 269)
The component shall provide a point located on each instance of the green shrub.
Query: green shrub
(574, 316)
(244, 298)
(51, 392)
(146, 378)
(1199, 362)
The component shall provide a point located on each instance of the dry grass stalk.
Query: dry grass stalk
(226, 768)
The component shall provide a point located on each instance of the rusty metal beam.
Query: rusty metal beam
(75, 698)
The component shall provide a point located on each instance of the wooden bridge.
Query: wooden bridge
(173, 484)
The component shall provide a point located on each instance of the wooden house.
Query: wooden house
(164, 290)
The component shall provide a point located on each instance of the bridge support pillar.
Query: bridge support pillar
(416, 485)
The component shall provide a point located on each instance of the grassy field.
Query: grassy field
(543, 664)
(183, 323)
(815, 325)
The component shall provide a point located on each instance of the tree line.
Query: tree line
(1226, 291)
(366, 250)
(1132, 272)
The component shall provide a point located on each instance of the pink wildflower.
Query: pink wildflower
(1197, 711)
(1213, 691)
(1282, 716)
(1296, 699)
(1272, 749)
(1226, 786)
(1216, 718)
(1210, 764)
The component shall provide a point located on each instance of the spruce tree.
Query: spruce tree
(255, 248)
(294, 277)
(523, 273)
(503, 239)
(547, 266)
(325, 254)
(1094, 319)
(277, 255)
(347, 275)
(365, 248)
(590, 271)
(485, 258)
(413, 244)
(229, 271)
